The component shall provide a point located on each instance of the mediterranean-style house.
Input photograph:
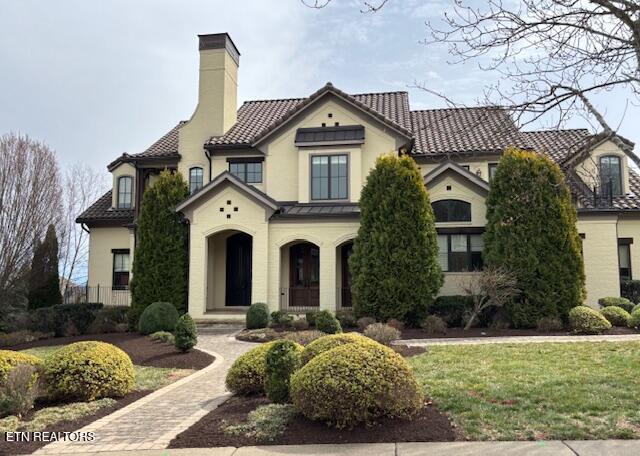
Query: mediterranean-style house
(275, 184)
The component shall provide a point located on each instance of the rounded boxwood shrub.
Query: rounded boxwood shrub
(636, 307)
(282, 360)
(10, 359)
(634, 319)
(257, 316)
(248, 373)
(616, 301)
(382, 333)
(88, 371)
(615, 315)
(326, 343)
(327, 323)
(186, 336)
(585, 320)
(354, 384)
(159, 316)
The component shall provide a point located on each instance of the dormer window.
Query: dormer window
(195, 179)
(329, 177)
(611, 175)
(125, 186)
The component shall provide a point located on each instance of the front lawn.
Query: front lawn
(538, 391)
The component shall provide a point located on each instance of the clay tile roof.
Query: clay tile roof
(167, 145)
(557, 144)
(101, 211)
(457, 130)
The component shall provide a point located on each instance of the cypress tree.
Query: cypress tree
(395, 272)
(531, 232)
(44, 282)
(160, 259)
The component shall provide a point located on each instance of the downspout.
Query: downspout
(85, 228)
(206, 152)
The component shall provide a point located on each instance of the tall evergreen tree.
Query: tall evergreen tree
(44, 282)
(531, 232)
(160, 260)
(394, 263)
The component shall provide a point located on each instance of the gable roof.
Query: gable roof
(557, 144)
(101, 211)
(454, 167)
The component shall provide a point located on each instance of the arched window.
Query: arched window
(195, 179)
(611, 174)
(125, 186)
(451, 210)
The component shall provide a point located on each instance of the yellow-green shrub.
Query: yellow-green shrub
(617, 316)
(585, 320)
(248, 373)
(9, 359)
(88, 371)
(325, 343)
(634, 319)
(356, 383)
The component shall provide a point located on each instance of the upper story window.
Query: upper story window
(451, 210)
(120, 269)
(125, 186)
(250, 172)
(195, 179)
(611, 174)
(492, 170)
(329, 177)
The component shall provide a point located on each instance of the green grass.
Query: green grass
(536, 391)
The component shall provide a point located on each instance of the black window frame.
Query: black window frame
(120, 194)
(474, 258)
(451, 210)
(330, 196)
(193, 183)
(626, 244)
(116, 276)
(492, 171)
(243, 170)
(604, 184)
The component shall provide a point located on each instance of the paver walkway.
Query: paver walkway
(151, 422)
(518, 340)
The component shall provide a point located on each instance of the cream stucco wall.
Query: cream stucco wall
(477, 165)
(629, 227)
(588, 168)
(125, 169)
(101, 242)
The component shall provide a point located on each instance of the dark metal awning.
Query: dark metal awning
(318, 136)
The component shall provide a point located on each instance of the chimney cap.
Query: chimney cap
(219, 41)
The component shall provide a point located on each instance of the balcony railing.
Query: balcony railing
(109, 296)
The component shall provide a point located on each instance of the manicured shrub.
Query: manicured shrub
(550, 324)
(354, 384)
(531, 233)
(452, 309)
(66, 319)
(20, 390)
(300, 324)
(282, 360)
(88, 371)
(327, 323)
(346, 318)
(623, 303)
(162, 336)
(617, 316)
(434, 325)
(280, 319)
(630, 289)
(305, 337)
(159, 316)
(363, 322)
(311, 317)
(109, 319)
(585, 320)
(186, 336)
(326, 343)
(382, 333)
(397, 234)
(257, 316)
(10, 359)
(248, 373)
(634, 319)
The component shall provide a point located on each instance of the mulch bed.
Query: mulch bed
(456, 333)
(142, 350)
(428, 426)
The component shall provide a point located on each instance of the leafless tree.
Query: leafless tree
(491, 287)
(82, 186)
(30, 199)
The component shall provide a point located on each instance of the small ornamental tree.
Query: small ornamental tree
(44, 282)
(531, 232)
(394, 262)
(160, 260)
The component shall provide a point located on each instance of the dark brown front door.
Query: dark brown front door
(304, 263)
(238, 289)
(346, 252)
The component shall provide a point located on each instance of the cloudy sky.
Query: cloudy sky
(95, 79)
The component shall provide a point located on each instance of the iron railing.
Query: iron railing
(299, 300)
(109, 296)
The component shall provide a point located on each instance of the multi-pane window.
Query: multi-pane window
(624, 261)
(611, 175)
(492, 170)
(195, 179)
(125, 186)
(120, 269)
(250, 172)
(460, 252)
(451, 210)
(329, 177)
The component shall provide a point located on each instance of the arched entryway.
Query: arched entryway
(229, 269)
(300, 276)
(343, 275)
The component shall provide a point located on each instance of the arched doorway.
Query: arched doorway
(238, 270)
(304, 275)
(343, 278)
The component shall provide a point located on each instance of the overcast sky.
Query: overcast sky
(95, 79)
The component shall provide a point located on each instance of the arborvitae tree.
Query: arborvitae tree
(531, 232)
(44, 282)
(160, 259)
(394, 263)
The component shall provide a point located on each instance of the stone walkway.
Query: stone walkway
(151, 422)
(518, 340)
